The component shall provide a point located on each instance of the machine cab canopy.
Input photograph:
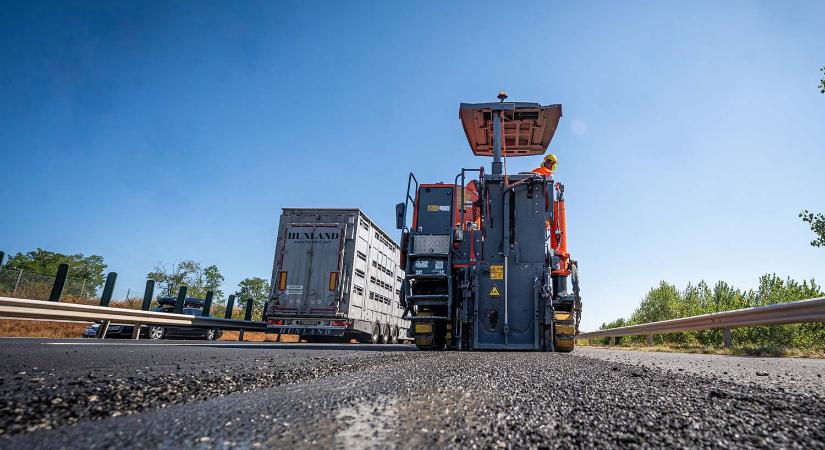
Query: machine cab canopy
(527, 128)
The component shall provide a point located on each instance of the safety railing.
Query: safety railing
(52, 309)
(803, 311)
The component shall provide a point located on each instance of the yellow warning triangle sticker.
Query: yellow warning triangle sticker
(494, 292)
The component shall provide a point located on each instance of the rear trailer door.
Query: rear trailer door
(310, 271)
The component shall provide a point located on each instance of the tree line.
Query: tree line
(666, 302)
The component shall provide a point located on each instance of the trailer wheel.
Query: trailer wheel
(394, 339)
(386, 335)
(376, 334)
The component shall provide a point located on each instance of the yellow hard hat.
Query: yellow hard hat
(551, 157)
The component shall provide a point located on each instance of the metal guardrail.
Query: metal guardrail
(53, 310)
(16, 308)
(803, 311)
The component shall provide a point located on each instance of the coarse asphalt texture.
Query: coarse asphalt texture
(92, 394)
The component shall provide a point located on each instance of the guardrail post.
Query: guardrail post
(59, 282)
(229, 305)
(207, 304)
(108, 289)
(180, 300)
(727, 336)
(650, 340)
(148, 293)
(247, 316)
(105, 299)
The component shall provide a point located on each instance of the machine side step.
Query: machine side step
(431, 302)
(428, 276)
(429, 255)
(428, 296)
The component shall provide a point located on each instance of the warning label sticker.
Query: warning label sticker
(494, 292)
(496, 272)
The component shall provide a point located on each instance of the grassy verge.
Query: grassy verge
(737, 350)
(41, 329)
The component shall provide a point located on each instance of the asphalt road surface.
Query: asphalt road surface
(87, 394)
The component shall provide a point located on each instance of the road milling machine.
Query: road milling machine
(485, 258)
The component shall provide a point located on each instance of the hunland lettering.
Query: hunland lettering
(312, 236)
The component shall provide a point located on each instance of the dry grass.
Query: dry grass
(737, 350)
(55, 330)
(41, 329)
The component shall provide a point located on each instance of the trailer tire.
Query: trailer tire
(375, 338)
(394, 338)
(386, 335)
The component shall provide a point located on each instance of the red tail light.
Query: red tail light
(340, 323)
(275, 322)
(282, 280)
(333, 281)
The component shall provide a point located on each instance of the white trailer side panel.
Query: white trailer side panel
(369, 280)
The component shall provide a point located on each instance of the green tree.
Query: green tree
(188, 273)
(660, 303)
(255, 288)
(666, 302)
(88, 268)
(817, 222)
(620, 322)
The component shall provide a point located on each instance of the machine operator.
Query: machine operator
(547, 166)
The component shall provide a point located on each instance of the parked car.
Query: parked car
(192, 306)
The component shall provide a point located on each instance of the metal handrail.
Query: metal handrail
(408, 199)
(803, 311)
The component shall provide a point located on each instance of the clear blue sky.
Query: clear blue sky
(147, 132)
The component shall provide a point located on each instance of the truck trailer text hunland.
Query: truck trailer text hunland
(486, 262)
(336, 276)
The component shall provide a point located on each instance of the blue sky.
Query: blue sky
(148, 132)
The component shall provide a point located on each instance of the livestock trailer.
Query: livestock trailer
(336, 276)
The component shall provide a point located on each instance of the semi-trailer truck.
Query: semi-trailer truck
(336, 277)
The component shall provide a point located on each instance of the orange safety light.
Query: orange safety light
(333, 280)
(282, 280)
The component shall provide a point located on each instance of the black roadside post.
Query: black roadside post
(247, 316)
(105, 299)
(230, 303)
(180, 300)
(148, 294)
(207, 304)
(108, 289)
(59, 282)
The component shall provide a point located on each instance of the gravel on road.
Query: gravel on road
(410, 399)
(803, 375)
